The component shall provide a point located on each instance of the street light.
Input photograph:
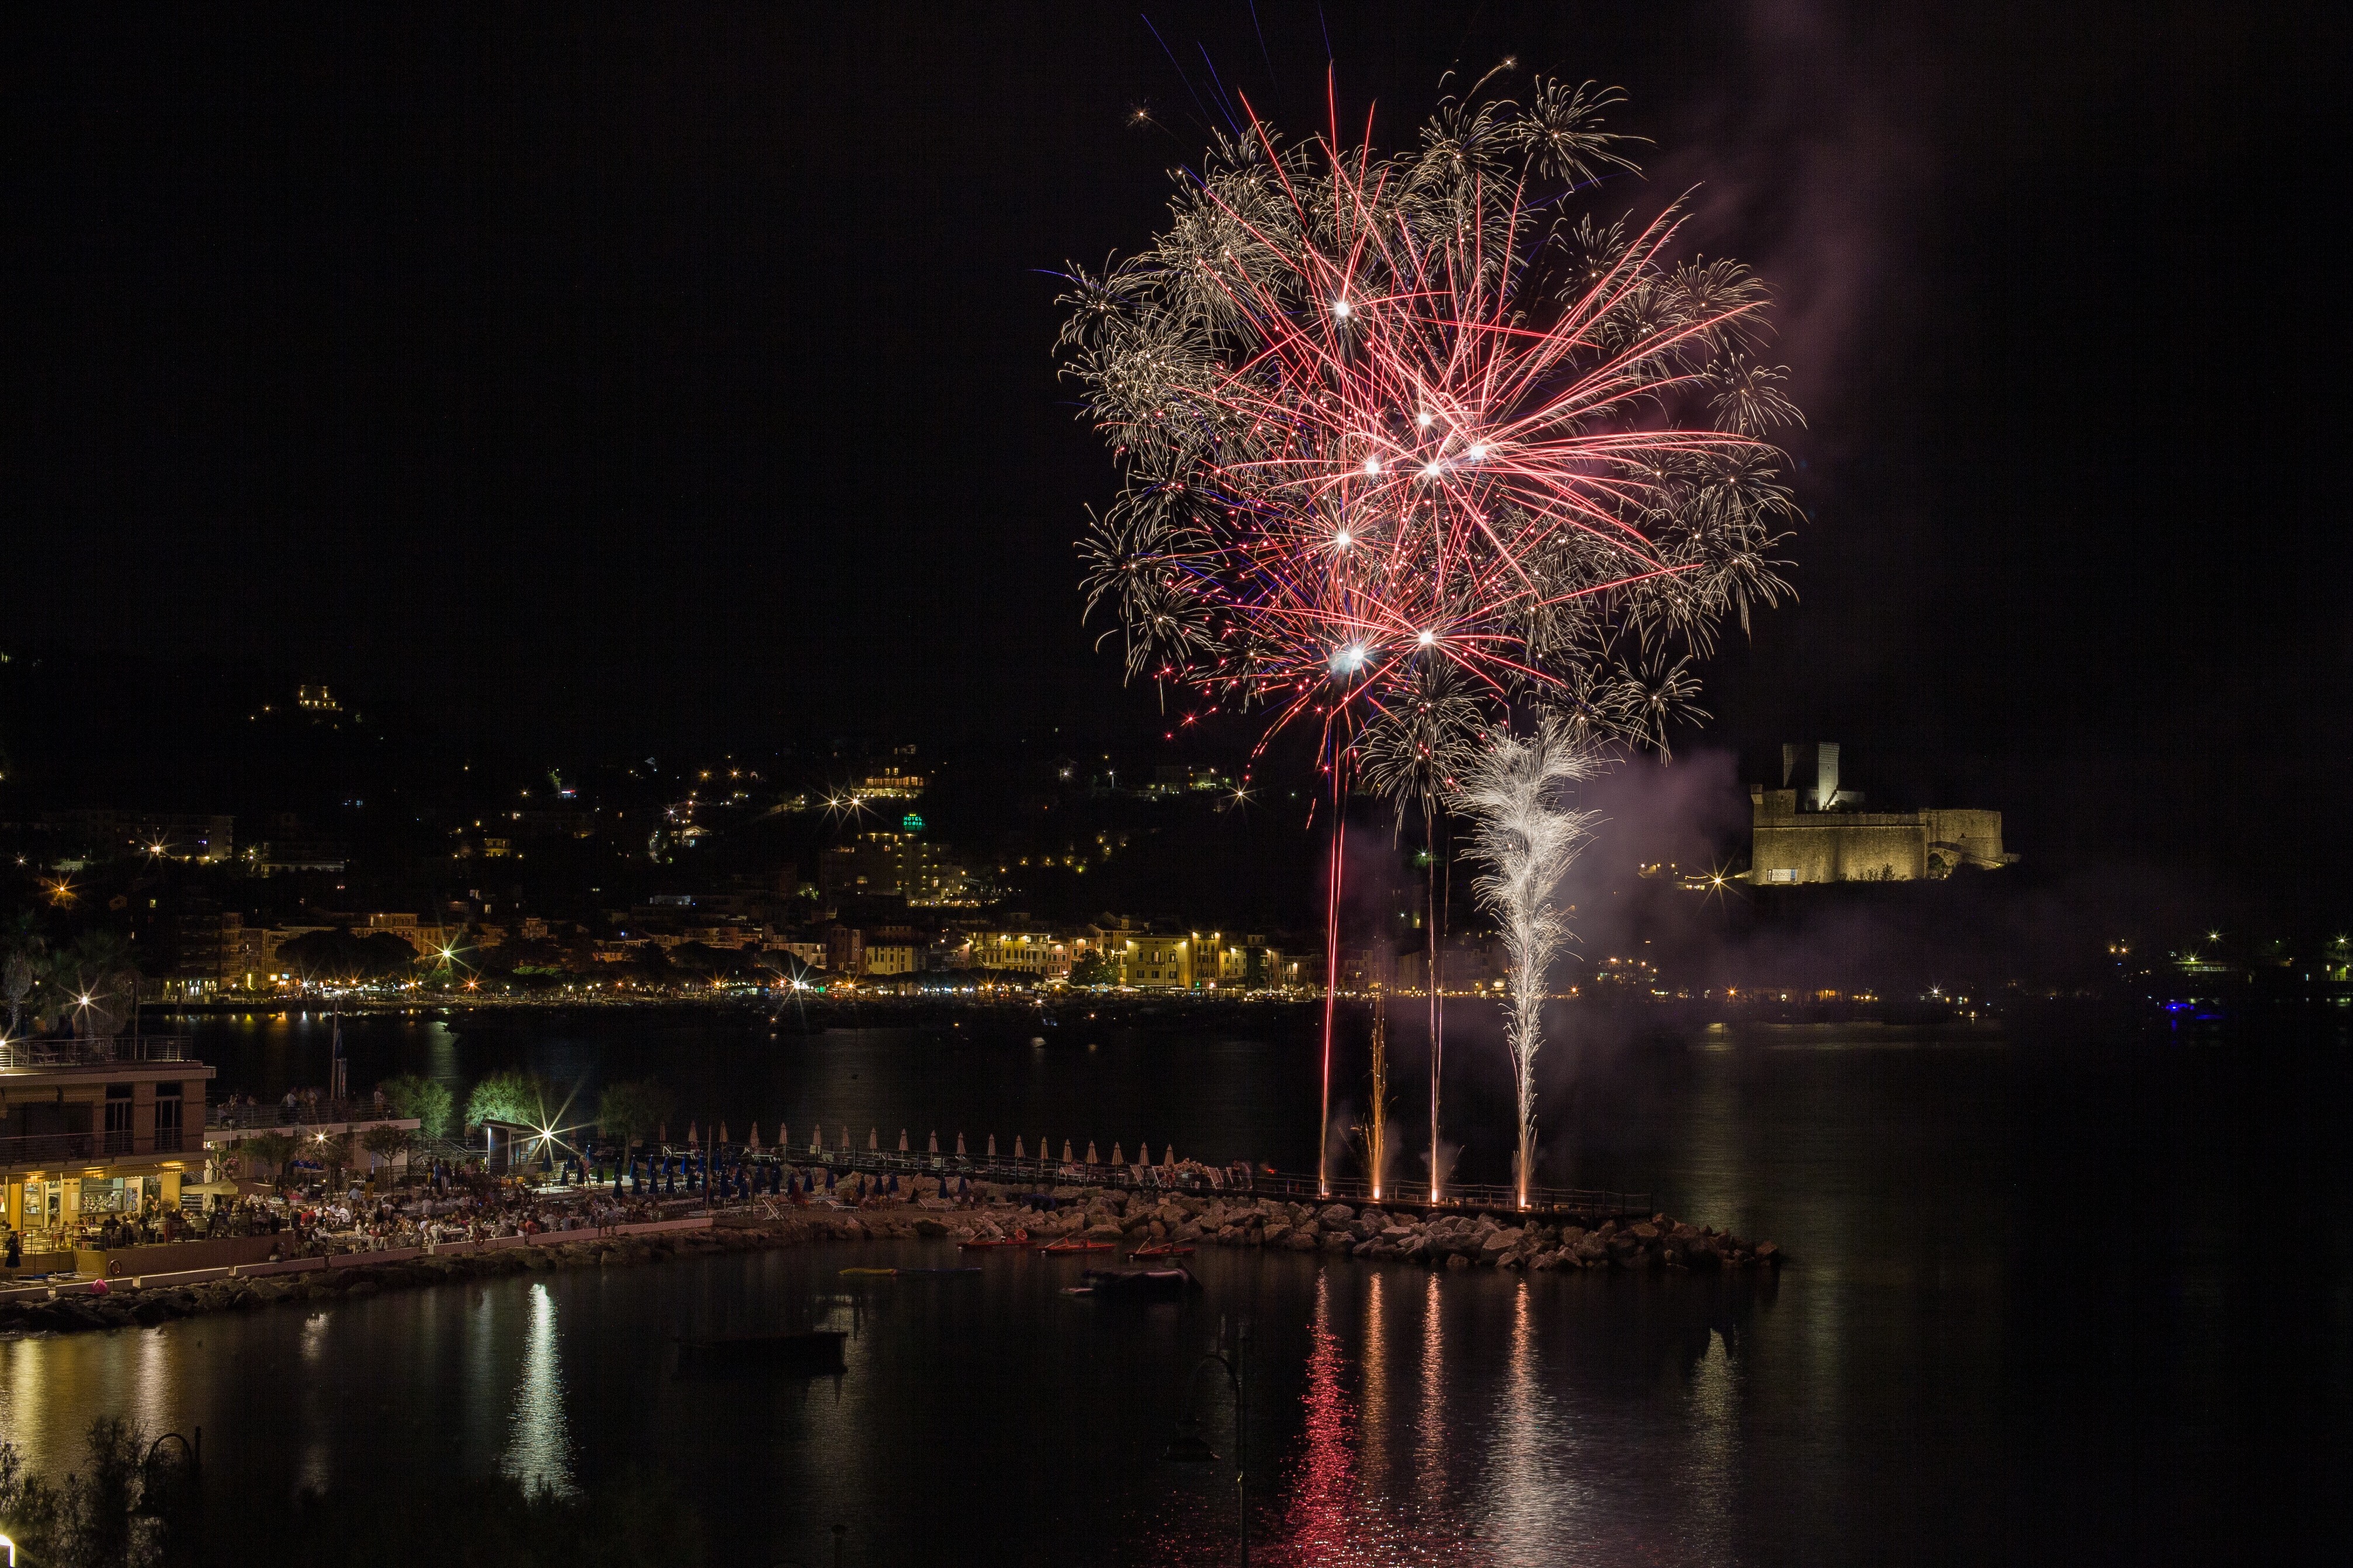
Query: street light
(1187, 1446)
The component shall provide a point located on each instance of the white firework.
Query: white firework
(1525, 834)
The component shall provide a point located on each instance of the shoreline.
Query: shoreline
(1451, 1242)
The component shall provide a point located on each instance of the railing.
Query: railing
(49, 1148)
(263, 1117)
(80, 1050)
(1466, 1197)
(1469, 1196)
(61, 1147)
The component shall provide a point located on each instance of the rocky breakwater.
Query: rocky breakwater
(127, 1304)
(1446, 1241)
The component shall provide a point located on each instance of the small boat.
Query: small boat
(814, 1352)
(898, 1273)
(1162, 1249)
(1135, 1284)
(990, 1243)
(1078, 1246)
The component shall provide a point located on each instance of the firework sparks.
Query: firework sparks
(1525, 836)
(1398, 424)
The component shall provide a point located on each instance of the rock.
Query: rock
(1338, 1241)
(1336, 1215)
(1644, 1233)
(1457, 1261)
(1104, 1233)
(1302, 1240)
(1768, 1255)
(928, 1227)
(1397, 1235)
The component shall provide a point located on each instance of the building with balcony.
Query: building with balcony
(1036, 953)
(90, 1128)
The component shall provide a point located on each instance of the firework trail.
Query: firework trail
(1407, 441)
(1525, 835)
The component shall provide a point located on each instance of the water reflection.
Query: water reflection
(1320, 1518)
(1376, 1388)
(1430, 1455)
(539, 1449)
(1532, 1508)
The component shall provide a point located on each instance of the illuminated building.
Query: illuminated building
(1811, 830)
(1159, 962)
(893, 864)
(900, 778)
(91, 1126)
(1036, 953)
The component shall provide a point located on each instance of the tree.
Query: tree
(24, 963)
(344, 957)
(387, 1144)
(428, 1100)
(94, 984)
(630, 1111)
(1095, 968)
(134, 1504)
(273, 1148)
(510, 1098)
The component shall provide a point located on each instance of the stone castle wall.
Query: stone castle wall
(1788, 845)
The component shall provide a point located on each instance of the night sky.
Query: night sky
(681, 376)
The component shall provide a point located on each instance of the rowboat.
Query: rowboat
(1135, 1284)
(1078, 1246)
(895, 1273)
(1162, 1249)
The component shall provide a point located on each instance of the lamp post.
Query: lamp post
(1188, 1448)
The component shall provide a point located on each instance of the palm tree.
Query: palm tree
(97, 981)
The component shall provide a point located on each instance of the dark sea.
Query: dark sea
(2084, 1296)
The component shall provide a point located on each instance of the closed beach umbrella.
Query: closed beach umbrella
(874, 1138)
(1116, 1157)
(1066, 1151)
(902, 1140)
(1090, 1151)
(817, 1140)
(722, 1134)
(936, 1142)
(959, 1145)
(1169, 1156)
(992, 1145)
(752, 1141)
(692, 1140)
(1017, 1145)
(1143, 1153)
(661, 1131)
(845, 1135)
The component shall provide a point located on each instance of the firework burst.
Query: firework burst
(1382, 412)
(1410, 440)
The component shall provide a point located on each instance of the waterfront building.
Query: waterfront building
(1040, 954)
(93, 1127)
(1159, 962)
